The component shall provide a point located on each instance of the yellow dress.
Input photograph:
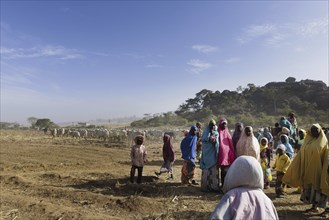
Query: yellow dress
(308, 170)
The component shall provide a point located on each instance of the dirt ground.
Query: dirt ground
(63, 178)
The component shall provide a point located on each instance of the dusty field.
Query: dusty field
(63, 178)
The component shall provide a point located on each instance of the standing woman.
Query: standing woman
(248, 144)
(226, 153)
(208, 162)
(244, 197)
(168, 154)
(237, 134)
(309, 170)
(188, 149)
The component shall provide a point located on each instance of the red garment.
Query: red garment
(168, 149)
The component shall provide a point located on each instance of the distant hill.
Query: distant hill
(308, 99)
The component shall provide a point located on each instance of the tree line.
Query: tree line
(253, 105)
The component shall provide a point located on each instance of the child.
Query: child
(138, 158)
(265, 157)
(168, 157)
(188, 149)
(281, 165)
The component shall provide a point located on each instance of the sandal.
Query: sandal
(324, 214)
(312, 210)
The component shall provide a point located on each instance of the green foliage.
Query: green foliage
(45, 123)
(261, 106)
(32, 121)
(165, 119)
(8, 125)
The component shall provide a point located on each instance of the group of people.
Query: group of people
(240, 165)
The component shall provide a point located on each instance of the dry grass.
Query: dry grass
(62, 178)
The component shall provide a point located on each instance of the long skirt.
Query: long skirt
(314, 197)
(210, 179)
(167, 167)
(187, 171)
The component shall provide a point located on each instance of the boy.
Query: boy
(281, 165)
(138, 158)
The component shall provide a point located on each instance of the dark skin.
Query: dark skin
(263, 142)
(301, 135)
(279, 151)
(283, 140)
(193, 131)
(223, 125)
(247, 131)
(315, 132)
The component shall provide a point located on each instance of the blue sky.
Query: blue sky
(85, 60)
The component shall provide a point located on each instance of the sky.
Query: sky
(78, 61)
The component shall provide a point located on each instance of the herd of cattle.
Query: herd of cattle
(111, 135)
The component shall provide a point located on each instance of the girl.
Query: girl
(265, 157)
(168, 154)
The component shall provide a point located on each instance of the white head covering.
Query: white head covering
(285, 130)
(244, 172)
(282, 147)
(248, 145)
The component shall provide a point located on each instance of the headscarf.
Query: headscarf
(237, 134)
(289, 149)
(188, 145)
(139, 138)
(168, 149)
(282, 147)
(248, 145)
(262, 147)
(244, 172)
(267, 134)
(310, 165)
(226, 154)
(285, 123)
(209, 149)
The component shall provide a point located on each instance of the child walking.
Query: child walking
(281, 165)
(138, 156)
(168, 154)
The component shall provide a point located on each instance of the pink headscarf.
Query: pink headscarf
(226, 154)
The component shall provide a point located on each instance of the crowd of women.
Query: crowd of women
(239, 166)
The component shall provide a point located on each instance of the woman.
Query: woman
(309, 170)
(208, 162)
(237, 133)
(226, 154)
(244, 197)
(248, 144)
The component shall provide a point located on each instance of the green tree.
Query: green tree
(32, 121)
(45, 123)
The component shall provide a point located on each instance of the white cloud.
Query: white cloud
(276, 35)
(59, 52)
(232, 60)
(276, 40)
(153, 66)
(255, 31)
(299, 49)
(204, 48)
(319, 26)
(16, 75)
(197, 66)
